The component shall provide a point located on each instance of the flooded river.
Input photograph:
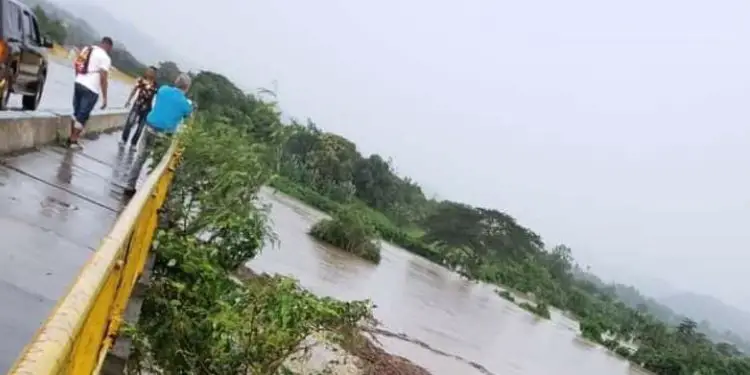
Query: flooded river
(456, 321)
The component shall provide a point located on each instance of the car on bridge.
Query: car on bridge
(23, 61)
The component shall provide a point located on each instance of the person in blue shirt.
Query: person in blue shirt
(171, 107)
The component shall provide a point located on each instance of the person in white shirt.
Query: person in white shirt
(92, 73)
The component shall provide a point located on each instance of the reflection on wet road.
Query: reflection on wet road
(433, 306)
(56, 205)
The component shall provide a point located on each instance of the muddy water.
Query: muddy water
(453, 326)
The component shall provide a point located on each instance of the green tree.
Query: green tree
(53, 29)
(198, 317)
(349, 231)
(167, 72)
(368, 200)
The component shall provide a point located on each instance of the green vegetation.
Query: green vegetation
(485, 244)
(125, 62)
(541, 310)
(167, 72)
(349, 231)
(384, 227)
(52, 28)
(66, 29)
(506, 295)
(198, 317)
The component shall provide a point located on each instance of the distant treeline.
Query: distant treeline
(76, 34)
(633, 298)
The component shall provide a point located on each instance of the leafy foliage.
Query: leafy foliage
(66, 29)
(198, 317)
(485, 244)
(125, 62)
(52, 28)
(167, 72)
(351, 232)
(541, 310)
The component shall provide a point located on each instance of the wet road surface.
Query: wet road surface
(55, 207)
(58, 91)
(452, 326)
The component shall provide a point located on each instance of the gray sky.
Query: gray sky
(617, 127)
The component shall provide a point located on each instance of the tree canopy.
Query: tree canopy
(52, 28)
(484, 244)
(487, 244)
(77, 33)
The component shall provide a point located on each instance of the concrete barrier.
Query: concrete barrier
(22, 131)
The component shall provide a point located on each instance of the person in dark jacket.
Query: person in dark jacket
(144, 91)
(171, 108)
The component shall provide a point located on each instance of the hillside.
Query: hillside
(127, 36)
(78, 32)
(721, 316)
(715, 319)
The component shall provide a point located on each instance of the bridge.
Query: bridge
(72, 249)
(58, 210)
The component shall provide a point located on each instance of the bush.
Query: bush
(410, 243)
(592, 329)
(304, 194)
(506, 295)
(623, 351)
(383, 226)
(196, 316)
(541, 309)
(213, 194)
(349, 231)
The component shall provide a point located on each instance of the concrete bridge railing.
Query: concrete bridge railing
(21, 131)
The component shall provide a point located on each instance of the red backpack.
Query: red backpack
(81, 63)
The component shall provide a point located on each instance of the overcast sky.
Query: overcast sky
(617, 127)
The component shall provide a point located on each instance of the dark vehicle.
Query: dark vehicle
(23, 62)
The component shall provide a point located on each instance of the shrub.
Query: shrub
(592, 329)
(304, 194)
(349, 231)
(506, 295)
(541, 309)
(383, 225)
(196, 316)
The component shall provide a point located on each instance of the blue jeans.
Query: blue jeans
(84, 101)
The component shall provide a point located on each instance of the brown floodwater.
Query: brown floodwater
(454, 326)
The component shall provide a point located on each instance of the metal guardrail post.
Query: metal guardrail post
(84, 324)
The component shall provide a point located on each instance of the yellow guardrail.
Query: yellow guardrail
(83, 326)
